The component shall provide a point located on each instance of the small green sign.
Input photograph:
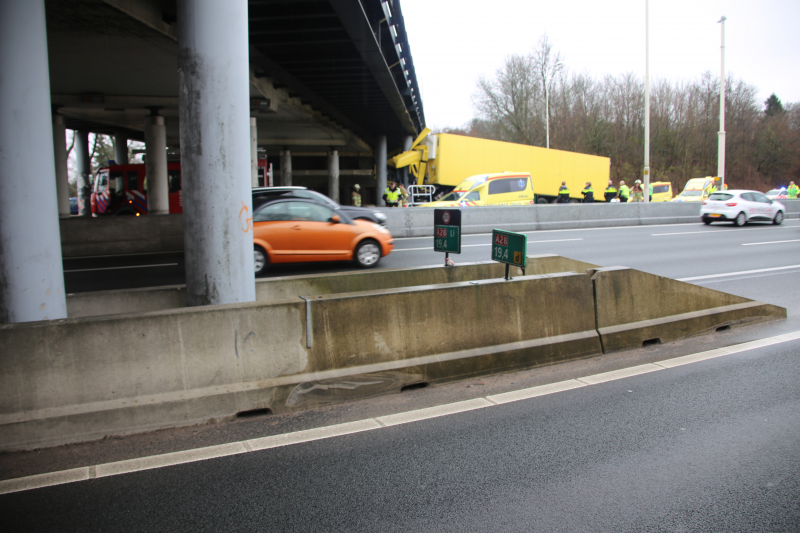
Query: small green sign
(509, 248)
(447, 239)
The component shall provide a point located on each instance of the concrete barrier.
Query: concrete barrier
(82, 237)
(79, 379)
(636, 308)
(102, 303)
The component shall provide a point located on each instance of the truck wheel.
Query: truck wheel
(542, 201)
(574, 201)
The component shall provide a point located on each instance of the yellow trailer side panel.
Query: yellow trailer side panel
(459, 157)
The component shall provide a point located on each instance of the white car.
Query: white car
(741, 207)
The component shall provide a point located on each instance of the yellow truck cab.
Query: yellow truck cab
(506, 188)
(696, 190)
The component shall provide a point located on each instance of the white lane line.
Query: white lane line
(718, 231)
(482, 244)
(434, 412)
(121, 268)
(695, 278)
(359, 426)
(120, 255)
(647, 226)
(44, 480)
(773, 242)
(309, 435)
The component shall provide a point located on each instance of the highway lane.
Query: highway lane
(710, 446)
(697, 249)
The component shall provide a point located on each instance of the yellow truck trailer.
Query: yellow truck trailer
(445, 160)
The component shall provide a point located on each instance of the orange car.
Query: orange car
(293, 230)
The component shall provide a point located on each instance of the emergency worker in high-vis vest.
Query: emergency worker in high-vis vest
(563, 193)
(624, 191)
(610, 192)
(391, 195)
(588, 193)
(793, 191)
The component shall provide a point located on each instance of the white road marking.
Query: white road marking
(297, 437)
(773, 242)
(718, 231)
(434, 412)
(684, 224)
(695, 278)
(121, 268)
(482, 244)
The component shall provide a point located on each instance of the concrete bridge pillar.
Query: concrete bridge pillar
(404, 171)
(155, 138)
(253, 152)
(286, 167)
(31, 275)
(333, 175)
(62, 176)
(380, 165)
(121, 148)
(83, 162)
(214, 89)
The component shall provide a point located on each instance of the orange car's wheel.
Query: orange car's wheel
(368, 253)
(260, 258)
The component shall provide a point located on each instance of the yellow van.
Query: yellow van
(696, 190)
(661, 191)
(506, 188)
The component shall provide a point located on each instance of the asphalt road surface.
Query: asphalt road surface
(709, 446)
(683, 250)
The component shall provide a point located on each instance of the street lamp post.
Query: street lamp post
(647, 102)
(556, 68)
(721, 148)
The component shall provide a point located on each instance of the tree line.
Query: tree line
(605, 116)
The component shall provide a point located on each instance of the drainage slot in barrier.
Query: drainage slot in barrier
(726, 327)
(414, 386)
(651, 342)
(252, 413)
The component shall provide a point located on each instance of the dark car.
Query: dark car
(260, 194)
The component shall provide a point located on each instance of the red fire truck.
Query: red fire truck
(122, 189)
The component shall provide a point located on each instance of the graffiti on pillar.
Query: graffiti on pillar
(247, 223)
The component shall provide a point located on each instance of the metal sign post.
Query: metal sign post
(509, 248)
(447, 232)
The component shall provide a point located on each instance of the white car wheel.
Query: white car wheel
(778, 218)
(368, 253)
(260, 259)
(740, 219)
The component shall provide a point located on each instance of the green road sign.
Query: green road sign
(447, 239)
(509, 248)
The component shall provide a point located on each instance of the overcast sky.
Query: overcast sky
(453, 42)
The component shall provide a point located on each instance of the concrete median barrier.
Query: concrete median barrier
(635, 308)
(102, 303)
(80, 379)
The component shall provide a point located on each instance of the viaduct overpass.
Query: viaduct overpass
(322, 88)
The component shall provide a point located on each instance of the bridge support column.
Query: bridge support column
(286, 167)
(62, 176)
(404, 171)
(121, 148)
(380, 165)
(214, 89)
(155, 138)
(83, 162)
(253, 152)
(31, 275)
(333, 175)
